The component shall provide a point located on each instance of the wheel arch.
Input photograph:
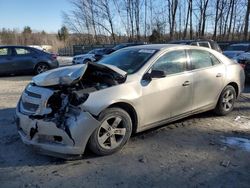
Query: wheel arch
(87, 59)
(235, 86)
(130, 110)
(41, 62)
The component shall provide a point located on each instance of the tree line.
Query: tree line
(28, 37)
(115, 21)
(158, 20)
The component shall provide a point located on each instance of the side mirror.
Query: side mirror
(157, 74)
(154, 74)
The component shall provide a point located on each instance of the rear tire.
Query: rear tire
(113, 133)
(226, 101)
(41, 67)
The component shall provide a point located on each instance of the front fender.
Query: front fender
(102, 99)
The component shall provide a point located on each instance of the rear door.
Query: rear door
(24, 59)
(208, 74)
(5, 60)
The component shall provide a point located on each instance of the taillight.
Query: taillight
(53, 56)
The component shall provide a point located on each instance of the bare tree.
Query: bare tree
(247, 21)
(172, 8)
(216, 19)
(137, 18)
(191, 18)
(202, 7)
(104, 11)
(187, 19)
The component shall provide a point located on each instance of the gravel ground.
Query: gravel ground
(200, 151)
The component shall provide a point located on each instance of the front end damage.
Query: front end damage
(50, 116)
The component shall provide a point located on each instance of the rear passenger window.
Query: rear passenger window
(200, 59)
(22, 51)
(214, 59)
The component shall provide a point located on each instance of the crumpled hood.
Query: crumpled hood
(60, 76)
(69, 74)
(232, 54)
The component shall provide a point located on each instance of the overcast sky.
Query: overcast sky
(38, 14)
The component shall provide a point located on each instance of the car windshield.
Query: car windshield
(97, 51)
(238, 48)
(129, 60)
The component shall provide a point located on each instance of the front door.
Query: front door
(169, 96)
(6, 60)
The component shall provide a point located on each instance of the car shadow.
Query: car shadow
(178, 123)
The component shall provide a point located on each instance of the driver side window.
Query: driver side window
(172, 62)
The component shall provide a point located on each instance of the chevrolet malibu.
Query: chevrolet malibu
(24, 59)
(100, 105)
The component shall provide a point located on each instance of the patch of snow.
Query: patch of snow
(242, 143)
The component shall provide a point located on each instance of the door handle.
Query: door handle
(186, 83)
(218, 75)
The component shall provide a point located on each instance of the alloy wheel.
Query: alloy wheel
(42, 68)
(228, 100)
(111, 132)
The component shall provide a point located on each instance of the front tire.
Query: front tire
(226, 101)
(113, 133)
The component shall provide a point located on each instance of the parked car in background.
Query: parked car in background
(199, 42)
(23, 59)
(124, 45)
(131, 90)
(223, 45)
(236, 51)
(92, 56)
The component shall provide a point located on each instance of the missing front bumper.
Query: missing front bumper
(47, 137)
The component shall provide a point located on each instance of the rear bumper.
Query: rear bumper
(49, 138)
(54, 64)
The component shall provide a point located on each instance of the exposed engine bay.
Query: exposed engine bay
(78, 91)
(73, 88)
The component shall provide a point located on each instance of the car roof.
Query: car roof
(15, 46)
(156, 46)
(160, 47)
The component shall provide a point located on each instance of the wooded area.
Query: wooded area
(115, 21)
(160, 20)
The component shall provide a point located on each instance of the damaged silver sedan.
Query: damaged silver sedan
(100, 105)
